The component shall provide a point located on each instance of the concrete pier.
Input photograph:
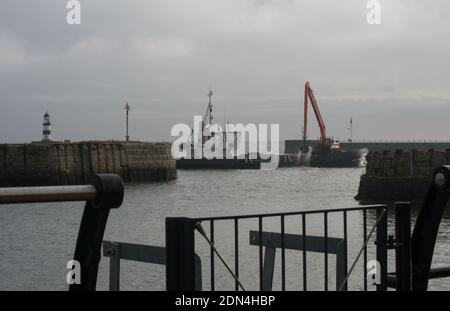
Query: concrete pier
(39, 164)
(294, 146)
(400, 175)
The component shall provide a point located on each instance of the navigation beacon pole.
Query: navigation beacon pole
(127, 108)
(351, 130)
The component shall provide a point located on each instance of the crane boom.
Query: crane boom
(309, 96)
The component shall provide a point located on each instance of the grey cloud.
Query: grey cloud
(162, 56)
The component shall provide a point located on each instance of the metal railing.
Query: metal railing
(413, 253)
(180, 237)
(117, 251)
(106, 192)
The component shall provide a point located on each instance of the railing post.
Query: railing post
(427, 226)
(403, 246)
(382, 248)
(112, 250)
(110, 192)
(180, 254)
(341, 265)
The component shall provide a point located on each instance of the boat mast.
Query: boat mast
(208, 116)
(351, 130)
(210, 93)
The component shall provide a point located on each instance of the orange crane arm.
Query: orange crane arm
(309, 95)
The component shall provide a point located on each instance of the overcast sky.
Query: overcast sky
(162, 57)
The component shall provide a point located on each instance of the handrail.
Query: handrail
(47, 194)
(105, 192)
(305, 212)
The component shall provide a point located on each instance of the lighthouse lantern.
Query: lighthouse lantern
(47, 128)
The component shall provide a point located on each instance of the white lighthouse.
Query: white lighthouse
(47, 128)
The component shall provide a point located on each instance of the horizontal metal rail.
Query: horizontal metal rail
(272, 240)
(310, 212)
(47, 194)
(117, 251)
(180, 273)
(396, 141)
(105, 193)
(439, 272)
(435, 273)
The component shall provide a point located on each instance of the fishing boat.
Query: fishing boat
(230, 159)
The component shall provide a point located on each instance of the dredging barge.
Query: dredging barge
(328, 152)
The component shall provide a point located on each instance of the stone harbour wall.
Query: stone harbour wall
(400, 175)
(38, 164)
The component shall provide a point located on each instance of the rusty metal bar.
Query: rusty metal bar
(47, 194)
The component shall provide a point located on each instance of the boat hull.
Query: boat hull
(336, 158)
(186, 164)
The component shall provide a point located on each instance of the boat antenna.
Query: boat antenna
(225, 115)
(210, 93)
(351, 129)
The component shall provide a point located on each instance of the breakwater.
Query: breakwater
(38, 164)
(400, 174)
(294, 146)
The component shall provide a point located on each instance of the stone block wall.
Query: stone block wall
(75, 163)
(400, 175)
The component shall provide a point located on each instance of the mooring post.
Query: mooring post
(180, 254)
(403, 246)
(110, 191)
(382, 247)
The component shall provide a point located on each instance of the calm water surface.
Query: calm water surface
(37, 240)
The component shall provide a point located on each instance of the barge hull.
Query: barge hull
(336, 159)
(242, 164)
